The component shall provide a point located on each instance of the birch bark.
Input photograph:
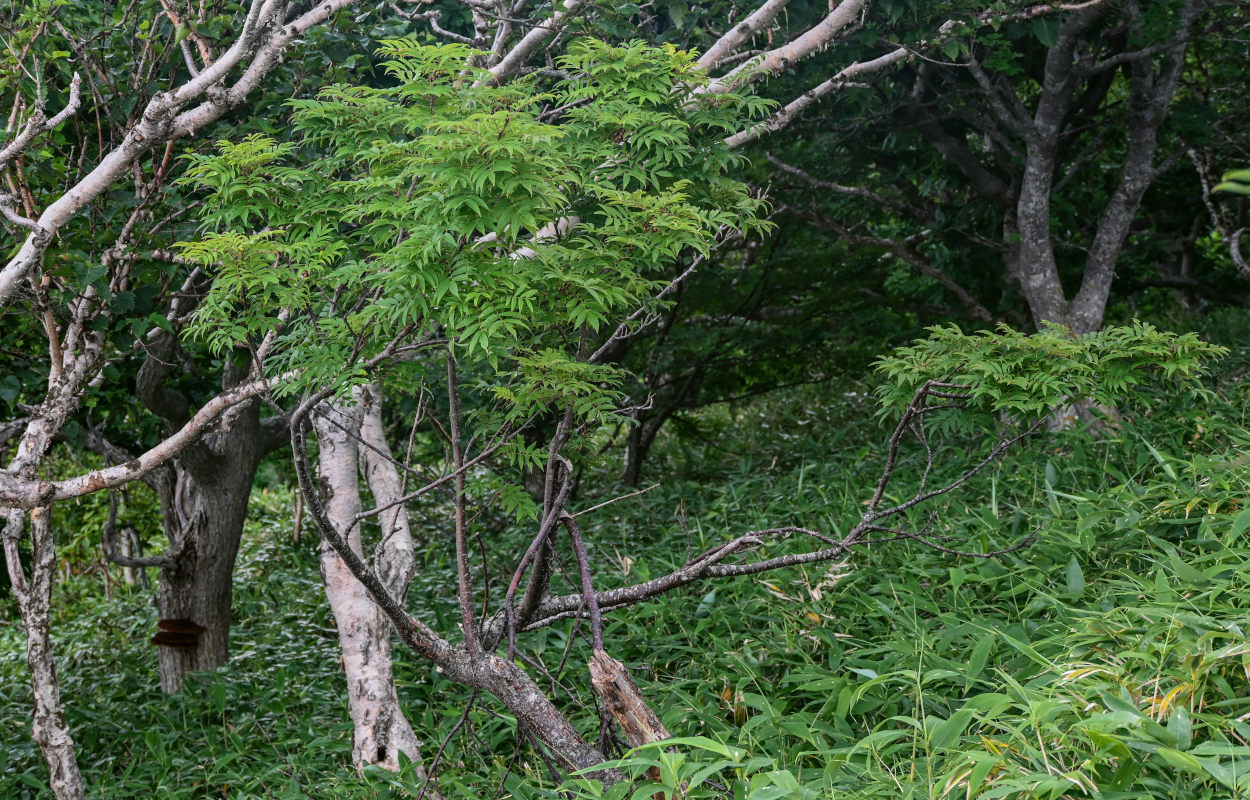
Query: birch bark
(381, 731)
(49, 728)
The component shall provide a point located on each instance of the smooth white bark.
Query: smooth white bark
(381, 731)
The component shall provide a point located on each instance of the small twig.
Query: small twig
(614, 500)
(588, 589)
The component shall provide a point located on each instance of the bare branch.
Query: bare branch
(8, 207)
(588, 589)
(837, 22)
(540, 539)
(18, 492)
(538, 36)
(725, 46)
(39, 124)
(260, 43)
(837, 188)
(615, 500)
(845, 77)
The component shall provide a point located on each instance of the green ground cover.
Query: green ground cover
(1109, 659)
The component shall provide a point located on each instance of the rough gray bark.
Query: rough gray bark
(381, 730)
(1151, 88)
(204, 514)
(75, 350)
(204, 507)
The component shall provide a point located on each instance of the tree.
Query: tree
(75, 311)
(1011, 132)
(407, 240)
(74, 296)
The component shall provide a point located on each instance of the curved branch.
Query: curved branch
(260, 43)
(17, 492)
(39, 124)
(109, 545)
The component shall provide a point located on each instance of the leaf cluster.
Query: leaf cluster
(1027, 375)
(514, 221)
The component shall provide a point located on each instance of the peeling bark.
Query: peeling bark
(49, 728)
(619, 694)
(381, 731)
(34, 594)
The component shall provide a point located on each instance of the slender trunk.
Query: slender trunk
(1036, 266)
(298, 524)
(129, 546)
(49, 728)
(638, 445)
(381, 731)
(34, 594)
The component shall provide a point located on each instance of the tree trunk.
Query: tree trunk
(130, 548)
(49, 728)
(204, 506)
(204, 514)
(381, 731)
(638, 443)
(1150, 97)
(34, 595)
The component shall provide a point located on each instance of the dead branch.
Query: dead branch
(39, 123)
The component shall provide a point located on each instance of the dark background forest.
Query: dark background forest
(489, 398)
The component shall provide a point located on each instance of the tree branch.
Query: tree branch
(39, 124)
(771, 62)
(725, 46)
(791, 111)
(260, 43)
(18, 492)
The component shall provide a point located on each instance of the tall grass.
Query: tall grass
(1109, 659)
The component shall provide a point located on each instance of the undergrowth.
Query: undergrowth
(1108, 659)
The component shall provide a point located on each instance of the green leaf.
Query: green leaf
(1241, 522)
(1231, 187)
(1185, 572)
(1046, 29)
(949, 732)
(1076, 578)
(1181, 727)
(980, 655)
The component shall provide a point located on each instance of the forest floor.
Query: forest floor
(1110, 658)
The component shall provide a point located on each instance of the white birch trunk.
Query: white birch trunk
(381, 731)
(48, 726)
